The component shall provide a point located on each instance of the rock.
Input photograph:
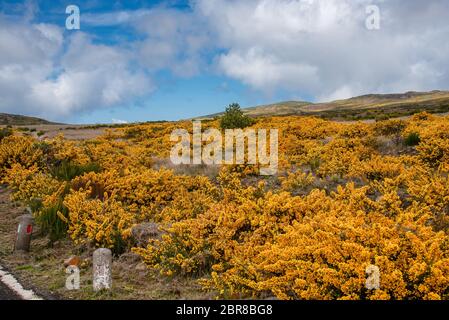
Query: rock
(72, 261)
(129, 258)
(141, 233)
(141, 267)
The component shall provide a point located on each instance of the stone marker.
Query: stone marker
(24, 232)
(72, 261)
(102, 263)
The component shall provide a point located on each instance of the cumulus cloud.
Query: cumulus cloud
(172, 39)
(44, 74)
(256, 68)
(323, 49)
(92, 76)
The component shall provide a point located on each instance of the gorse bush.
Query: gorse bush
(390, 127)
(234, 118)
(346, 198)
(103, 223)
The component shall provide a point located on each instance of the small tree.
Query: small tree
(234, 118)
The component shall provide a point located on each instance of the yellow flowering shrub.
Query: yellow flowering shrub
(18, 150)
(378, 168)
(105, 223)
(297, 180)
(347, 196)
(29, 183)
(324, 254)
(69, 151)
(340, 155)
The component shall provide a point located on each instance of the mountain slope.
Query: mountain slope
(363, 107)
(369, 101)
(18, 120)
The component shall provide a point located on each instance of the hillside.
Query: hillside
(18, 120)
(371, 106)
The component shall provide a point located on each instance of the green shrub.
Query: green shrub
(412, 139)
(49, 220)
(40, 133)
(5, 132)
(68, 170)
(234, 118)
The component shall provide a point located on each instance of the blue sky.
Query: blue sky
(168, 60)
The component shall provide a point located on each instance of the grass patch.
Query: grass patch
(412, 139)
(66, 171)
(25, 267)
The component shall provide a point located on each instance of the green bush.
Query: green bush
(5, 132)
(68, 170)
(412, 139)
(40, 133)
(49, 220)
(52, 220)
(234, 118)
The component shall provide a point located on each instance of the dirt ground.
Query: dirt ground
(43, 271)
(71, 132)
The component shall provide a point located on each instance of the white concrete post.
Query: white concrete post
(102, 273)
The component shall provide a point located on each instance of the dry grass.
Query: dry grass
(210, 171)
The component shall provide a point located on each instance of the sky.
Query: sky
(139, 60)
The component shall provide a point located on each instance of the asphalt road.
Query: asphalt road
(6, 293)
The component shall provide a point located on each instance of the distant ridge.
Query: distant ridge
(369, 106)
(18, 120)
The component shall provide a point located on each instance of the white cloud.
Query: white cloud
(341, 93)
(315, 48)
(322, 48)
(310, 48)
(172, 39)
(266, 72)
(118, 121)
(39, 76)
